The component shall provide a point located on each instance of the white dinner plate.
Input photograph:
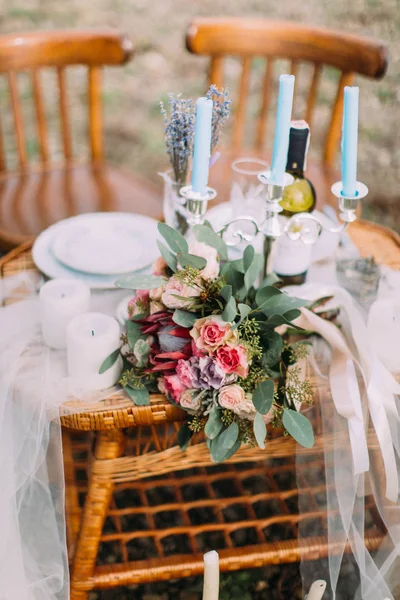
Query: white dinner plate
(48, 264)
(106, 243)
(324, 247)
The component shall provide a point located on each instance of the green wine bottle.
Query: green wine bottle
(293, 258)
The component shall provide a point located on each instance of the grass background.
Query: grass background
(134, 128)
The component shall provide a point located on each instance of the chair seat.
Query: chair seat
(32, 201)
(322, 176)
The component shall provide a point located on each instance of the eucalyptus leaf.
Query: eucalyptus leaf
(140, 396)
(229, 436)
(253, 271)
(260, 430)
(263, 396)
(109, 361)
(229, 312)
(281, 304)
(226, 292)
(190, 260)
(142, 352)
(265, 293)
(272, 344)
(269, 280)
(231, 451)
(248, 256)
(207, 235)
(299, 427)
(184, 318)
(184, 436)
(134, 333)
(244, 310)
(214, 424)
(219, 453)
(233, 278)
(168, 256)
(174, 239)
(139, 282)
(237, 265)
(277, 320)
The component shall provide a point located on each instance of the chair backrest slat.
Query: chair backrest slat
(242, 103)
(334, 133)
(274, 40)
(40, 116)
(64, 118)
(265, 103)
(95, 113)
(313, 93)
(2, 153)
(18, 119)
(58, 50)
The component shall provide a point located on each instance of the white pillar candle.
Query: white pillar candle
(60, 301)
(211, 576)
(91, 338)
(317, 590)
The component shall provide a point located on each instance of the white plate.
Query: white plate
(51, 267)
(324, 247)
(106, 243)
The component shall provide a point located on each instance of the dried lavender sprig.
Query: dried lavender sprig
(179, 134)
(221, 111)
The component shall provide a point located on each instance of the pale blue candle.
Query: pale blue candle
(349, 141)
(202, 145)
(282, 128)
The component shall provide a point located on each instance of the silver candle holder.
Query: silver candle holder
(304, 226)
(196, 204)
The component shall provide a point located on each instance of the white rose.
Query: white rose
(190, 401)
(211, 270)
(176, 287)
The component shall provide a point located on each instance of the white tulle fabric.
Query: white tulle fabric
(364, 393)
(33, 385)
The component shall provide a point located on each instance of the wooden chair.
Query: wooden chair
(33, 196)
(274, 40)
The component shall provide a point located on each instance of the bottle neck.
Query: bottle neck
(298, 147)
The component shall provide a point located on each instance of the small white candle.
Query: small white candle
(60, 301)
(91, 338)
(317, 590)
(211, 576)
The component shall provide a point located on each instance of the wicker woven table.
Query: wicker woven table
(133, 495)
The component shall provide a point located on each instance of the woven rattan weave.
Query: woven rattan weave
(132, 495)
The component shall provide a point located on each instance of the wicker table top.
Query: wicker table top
(118, 411)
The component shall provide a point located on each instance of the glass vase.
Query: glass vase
(174, 205)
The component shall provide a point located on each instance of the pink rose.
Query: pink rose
(211, 332)
(159, 267)
(174, 387)
(174, 288)
(233, 359)
(231, 397)
(211, 270)
(139, 304)
(190, 400)
(188, 372)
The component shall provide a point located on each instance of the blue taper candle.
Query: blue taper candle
(202, 145)
(282, 128)
(349, 141)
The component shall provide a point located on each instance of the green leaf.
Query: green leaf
(277, 320)
(141, 351)
(139, 282)
(244, 310)
(167, 255)
(133, 333)
(219, 453)
(184, 318)
(140, 396)
(174, 239)
(208, 236)
(292, 315)
(237, 265)
(265, 293)
(248, 256)
(272, 348)
(263, 396)
(214, 424)
(260, 430)
(253, 271)
(233, 278)
(281, 304)
(226, 292)
(184, 436)
(299, 427)
(190, 260)
(229, 436)
(269, 280)
(109, 361)
(229, 312)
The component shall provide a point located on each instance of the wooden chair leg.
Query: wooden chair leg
(109, 445)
